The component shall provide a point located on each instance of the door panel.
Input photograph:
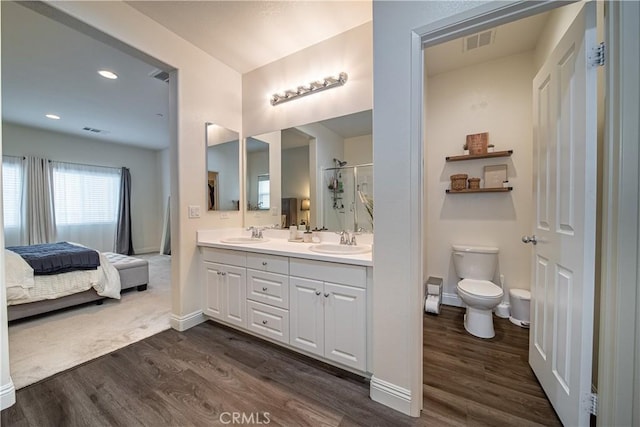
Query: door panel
(306, 314)
(214, 284)
(344, 321)
(236, 295)
(561, 338)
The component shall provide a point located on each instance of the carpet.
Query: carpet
(43, 346)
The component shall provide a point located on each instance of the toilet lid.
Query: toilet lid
(482, 288)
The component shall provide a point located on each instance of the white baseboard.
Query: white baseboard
(391, 395)
(182, 323)
(7, 395)
(452, 299)
(147, 250)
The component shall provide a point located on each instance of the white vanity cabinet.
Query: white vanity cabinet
(328, 310)
(268, 295)
(318, 307)
(225, 285)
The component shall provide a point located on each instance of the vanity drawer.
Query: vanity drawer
(270, 263)
(225, 256)
(268, 288)
(271, 322)
(345, 274)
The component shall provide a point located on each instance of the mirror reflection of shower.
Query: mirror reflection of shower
(348, 197)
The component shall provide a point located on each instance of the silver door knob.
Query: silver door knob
(318, 292)
(326, 295)
(264, 263)
(264, 289)
(533, 239)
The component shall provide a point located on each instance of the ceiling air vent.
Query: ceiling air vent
(478, 40)
(94, 130)
(160, 75)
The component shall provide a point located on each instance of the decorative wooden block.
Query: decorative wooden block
(477, 143)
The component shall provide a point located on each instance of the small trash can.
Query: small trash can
(520, 307)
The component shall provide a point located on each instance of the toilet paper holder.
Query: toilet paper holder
(432, 294)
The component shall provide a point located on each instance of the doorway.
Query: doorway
(470, 87)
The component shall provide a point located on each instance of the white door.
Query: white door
(214, 286)
(344, 325)
(306, 315)
(562, 291)
(235, 306)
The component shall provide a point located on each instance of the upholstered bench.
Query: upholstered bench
(133, 271)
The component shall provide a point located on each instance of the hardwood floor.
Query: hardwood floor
(209, 374)
(201, 377)
(473, 381)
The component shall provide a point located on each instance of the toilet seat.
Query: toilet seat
(480, 288)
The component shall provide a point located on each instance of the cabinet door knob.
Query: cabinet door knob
(218, 273)
(264, 322)
(223, 273)
(264, 289)
(326, 295)
(264, 263)
(318, 292)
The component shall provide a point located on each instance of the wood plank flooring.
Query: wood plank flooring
(210, 373)
(474, 381)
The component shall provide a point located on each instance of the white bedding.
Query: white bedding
(23, 287)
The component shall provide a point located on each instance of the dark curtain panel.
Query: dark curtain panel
(124, 243)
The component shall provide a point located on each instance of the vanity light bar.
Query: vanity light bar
(313, 87)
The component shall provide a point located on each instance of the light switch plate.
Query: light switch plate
(274, 211)
(194, 211)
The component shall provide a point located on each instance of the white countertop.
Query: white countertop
(278, 244)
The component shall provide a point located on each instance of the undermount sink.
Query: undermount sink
(335, 249)
(243, 240)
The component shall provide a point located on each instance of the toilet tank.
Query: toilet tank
(475, 262)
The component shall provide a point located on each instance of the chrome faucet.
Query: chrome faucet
(256, 233)
(346, 239)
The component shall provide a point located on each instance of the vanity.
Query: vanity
(315, 303)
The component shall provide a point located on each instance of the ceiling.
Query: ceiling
(48, 67)
(59, 75)
(246, 35)
(509, 39)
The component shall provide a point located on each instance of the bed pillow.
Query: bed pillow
(17, 272)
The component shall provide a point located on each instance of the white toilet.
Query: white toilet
(476, 266)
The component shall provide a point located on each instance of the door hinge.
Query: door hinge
(593, 404)
(598, 54)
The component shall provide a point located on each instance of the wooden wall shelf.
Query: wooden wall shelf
(481, 190)
(505, 153)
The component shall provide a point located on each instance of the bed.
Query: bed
(29, 294)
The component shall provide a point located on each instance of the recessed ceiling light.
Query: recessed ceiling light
(108, 74)
(52, 116)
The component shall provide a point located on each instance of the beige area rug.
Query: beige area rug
(50, 344)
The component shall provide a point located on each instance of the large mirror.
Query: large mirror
(327, 173)
(258, 180)
(223, 168)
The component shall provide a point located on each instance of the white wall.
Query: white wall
(146, 179)
(492, 97)
(350, 52)
(358, 150)
(7, 389)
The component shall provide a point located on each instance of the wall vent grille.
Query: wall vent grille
(94, 130)
(160, 75)
(475, 41)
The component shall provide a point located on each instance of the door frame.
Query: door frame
(620, 219)
(620, 296)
